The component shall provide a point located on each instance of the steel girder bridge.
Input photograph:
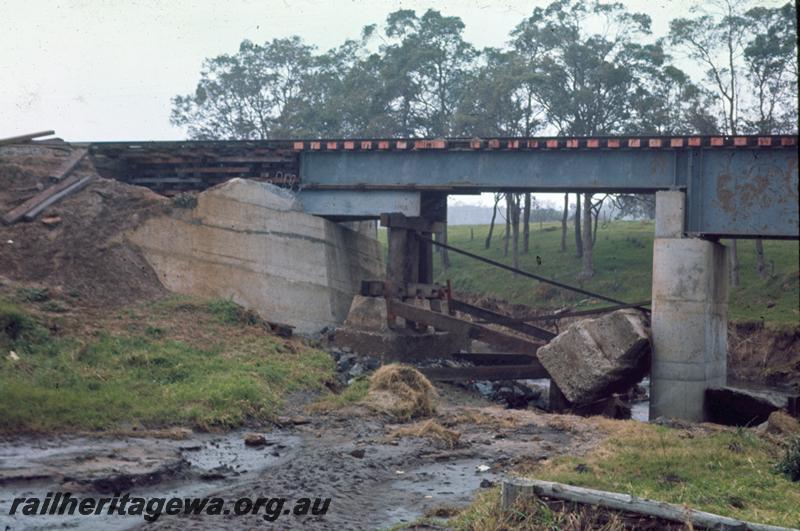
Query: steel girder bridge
(706, 187)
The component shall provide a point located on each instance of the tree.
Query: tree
(255, 93)
(587, 255)
(426, 65)
(488, 242)
(515, 229)
(564, 218)
(578, 236)
(770, 58)
(582, 79)
(526, 224)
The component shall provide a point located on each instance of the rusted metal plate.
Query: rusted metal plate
(744, 193)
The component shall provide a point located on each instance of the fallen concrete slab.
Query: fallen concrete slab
(595, 358)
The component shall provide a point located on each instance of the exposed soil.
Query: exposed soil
(763, 355)
(84, 253)
(395, 479)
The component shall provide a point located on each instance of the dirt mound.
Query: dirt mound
(402, 392)
(764, 355)
(83, 251)
(429, 429)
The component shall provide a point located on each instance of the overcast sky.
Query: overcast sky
(106, 70)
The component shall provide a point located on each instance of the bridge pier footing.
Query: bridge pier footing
(689, 315)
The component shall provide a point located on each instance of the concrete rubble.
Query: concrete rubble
(594, 358)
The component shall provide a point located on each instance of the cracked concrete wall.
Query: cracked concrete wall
(250, 241)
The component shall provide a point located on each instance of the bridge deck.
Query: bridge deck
(744, 186)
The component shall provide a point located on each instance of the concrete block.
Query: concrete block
(368, 313)
(670, 214)
(596, 357)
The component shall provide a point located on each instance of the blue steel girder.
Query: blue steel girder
(738, 192)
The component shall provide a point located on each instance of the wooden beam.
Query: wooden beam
(513, 489)
(38, 209)
(69, 164)
(397, 255)
(17, 213)
(442, 321)
(495, 358)
(417, 224)
(531, 371)
(501, 319)
(24, 138)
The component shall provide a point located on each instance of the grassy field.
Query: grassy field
(179, 362)
(728, 472)
(623, 263)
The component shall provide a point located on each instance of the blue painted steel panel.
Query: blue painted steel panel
(744, 192)
(470, 171)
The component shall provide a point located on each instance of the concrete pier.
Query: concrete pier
(690, 315)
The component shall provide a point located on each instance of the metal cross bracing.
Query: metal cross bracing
(742, 186)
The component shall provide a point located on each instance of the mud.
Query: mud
(396, 480)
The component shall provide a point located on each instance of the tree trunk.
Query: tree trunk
(761, 267)
(515, 230)
(442, 237)
(588, 241)
(526, 225)
(507, 234)
(596, 216)
(564, 224)
(488, 242)
(734, 263)
(578, 238)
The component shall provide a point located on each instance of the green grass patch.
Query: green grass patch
(352, 394)
(729, 472)
(623, 263)
(148, 375)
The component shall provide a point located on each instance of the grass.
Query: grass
(352, 394)
(180, 362)
(623, 263)
(730, 472)
(486, 513)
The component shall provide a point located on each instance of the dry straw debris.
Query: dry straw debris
(401, 391)
(429, 429)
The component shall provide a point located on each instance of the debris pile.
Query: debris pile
(78, 245)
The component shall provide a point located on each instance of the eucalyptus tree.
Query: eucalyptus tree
(255, 93)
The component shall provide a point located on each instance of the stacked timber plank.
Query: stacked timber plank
(170, 167)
